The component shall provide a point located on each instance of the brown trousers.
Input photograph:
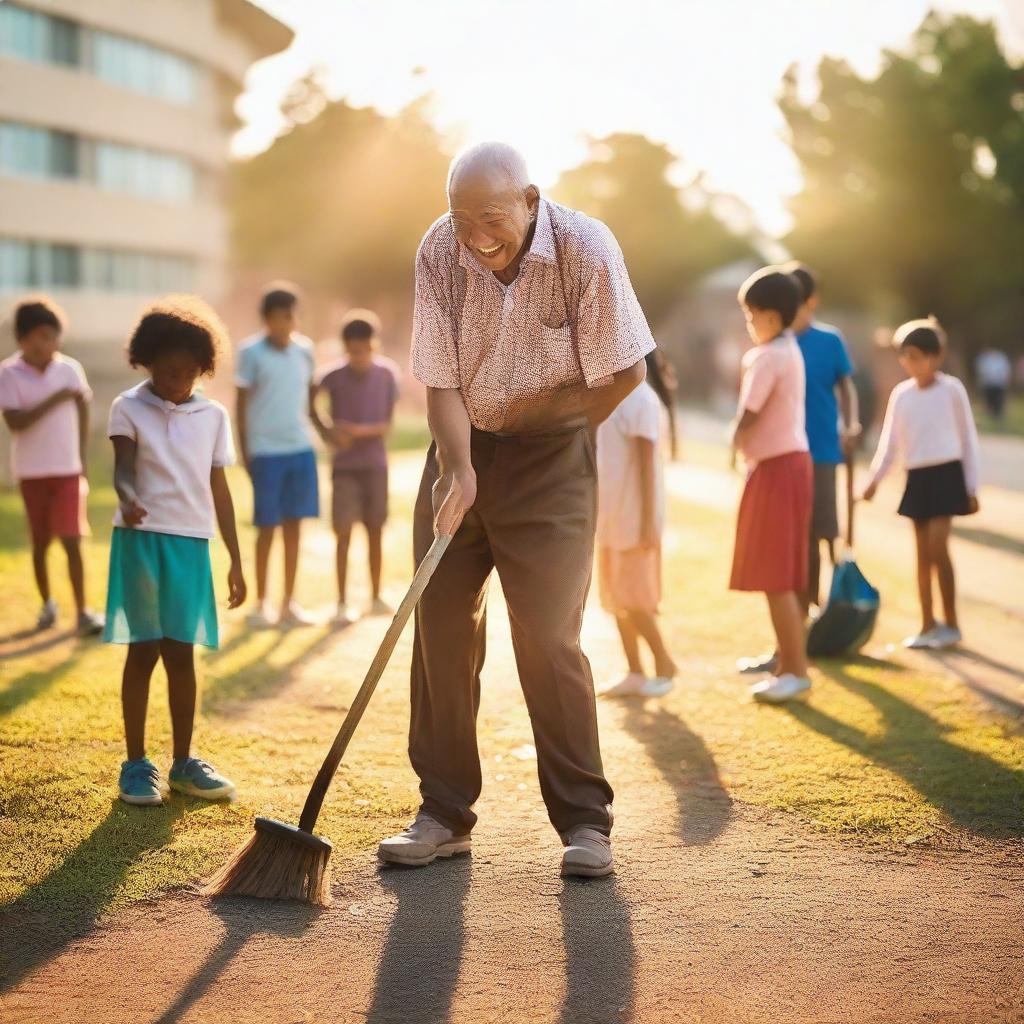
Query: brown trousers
(533, 520)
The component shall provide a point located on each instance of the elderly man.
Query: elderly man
(527, 335)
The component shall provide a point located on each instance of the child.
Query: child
(275, 388)
(170, 448)
(775, 510)
(45, 401)
(630, 520)
(363, 389)
(828, 372)
(929, 423)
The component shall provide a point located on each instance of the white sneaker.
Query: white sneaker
(422, 843)
(922, 641)
(262, 616)
(47, 615)
(346, 615)
(295, 615)
(944, 636)
(381, 607)
(631, 685)
(779, 689)
(757, 666)
(658, 686)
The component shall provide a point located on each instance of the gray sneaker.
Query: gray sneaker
(588, 853)
(90, 623)
(758, 666)
(422, 843)
(47, 615)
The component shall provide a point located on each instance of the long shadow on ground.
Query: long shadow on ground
(979, 794)
(684, 761)
(65, 904)
(419, 967)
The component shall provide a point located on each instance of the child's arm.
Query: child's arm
(82, 403)
(225, 509)
(885, 454)
(241, 411)
(968, 441)
(849, 409)
(132, 510)
(323, 428)
(647, 454)
(22, 419)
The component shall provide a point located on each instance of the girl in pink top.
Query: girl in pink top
(774, 516)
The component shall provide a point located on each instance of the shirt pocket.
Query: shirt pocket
(559, 366)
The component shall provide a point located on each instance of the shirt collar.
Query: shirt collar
(542, 248)
(26, 367)
(142, 392)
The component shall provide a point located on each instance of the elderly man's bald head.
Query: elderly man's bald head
(496, 163)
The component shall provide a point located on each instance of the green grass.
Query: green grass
(881, 753)
(1012, 423)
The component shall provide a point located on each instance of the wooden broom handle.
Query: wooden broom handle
(311, 810)
(849, 502)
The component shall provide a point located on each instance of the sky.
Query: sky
(701, 76)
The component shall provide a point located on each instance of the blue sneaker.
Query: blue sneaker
(194, 777)
(140, 783)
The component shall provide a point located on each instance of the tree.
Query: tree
(913, 198)
(669, 237)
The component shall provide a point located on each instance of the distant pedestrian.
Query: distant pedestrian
(994, 373)
(930, 427)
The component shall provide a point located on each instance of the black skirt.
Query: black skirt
(934, 491)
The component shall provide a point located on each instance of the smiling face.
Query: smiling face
(492, 217)
(763, 325)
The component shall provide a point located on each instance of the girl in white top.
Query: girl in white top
(930, 427)
(171, 447)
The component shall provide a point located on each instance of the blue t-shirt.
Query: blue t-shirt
(277, 383)
(826, 362)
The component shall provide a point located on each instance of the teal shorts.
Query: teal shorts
(160, 586)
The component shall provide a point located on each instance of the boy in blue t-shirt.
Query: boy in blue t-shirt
(829, 394)
(274, 376)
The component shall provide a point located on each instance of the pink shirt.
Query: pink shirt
(570, 317)
(50, 447)
(773, 386)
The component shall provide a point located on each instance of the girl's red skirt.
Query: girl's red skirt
(773, 526)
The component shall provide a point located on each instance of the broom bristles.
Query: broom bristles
(274, 867)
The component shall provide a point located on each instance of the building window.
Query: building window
(40, 37)
(127, 63)
(33, 152)
(26, 265)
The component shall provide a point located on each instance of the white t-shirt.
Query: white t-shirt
(928, 427)
(50, 447)
(177, 446)
(993, 369)
(619, 501)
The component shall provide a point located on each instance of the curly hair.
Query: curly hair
(178, 323)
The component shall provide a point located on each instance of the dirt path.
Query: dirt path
(719, 911)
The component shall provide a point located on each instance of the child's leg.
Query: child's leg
(343, 533)
(264, 539)
(290, 530)
(374, 540)
(811, 594)
(39, 549)
(138, 669)
(630, 644)
(788, 623)
(181, 690)
(924, 574)
(76, 571)
(646, 625)
(938, 547)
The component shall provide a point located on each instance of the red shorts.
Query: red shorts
(772, 526)
(55, 507)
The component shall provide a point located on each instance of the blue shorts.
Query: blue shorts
(284, 487)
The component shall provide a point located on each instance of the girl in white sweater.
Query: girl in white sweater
(929, 424)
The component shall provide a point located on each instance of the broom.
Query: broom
(285, 862)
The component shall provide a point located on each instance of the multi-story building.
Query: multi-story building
(115, 118)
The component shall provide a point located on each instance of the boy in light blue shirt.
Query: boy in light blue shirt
(274, 376)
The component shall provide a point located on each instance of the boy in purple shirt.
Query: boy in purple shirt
(363, 389)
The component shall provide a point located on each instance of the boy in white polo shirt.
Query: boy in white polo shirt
(45, 401)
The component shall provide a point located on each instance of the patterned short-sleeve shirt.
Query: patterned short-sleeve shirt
(570, 317)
